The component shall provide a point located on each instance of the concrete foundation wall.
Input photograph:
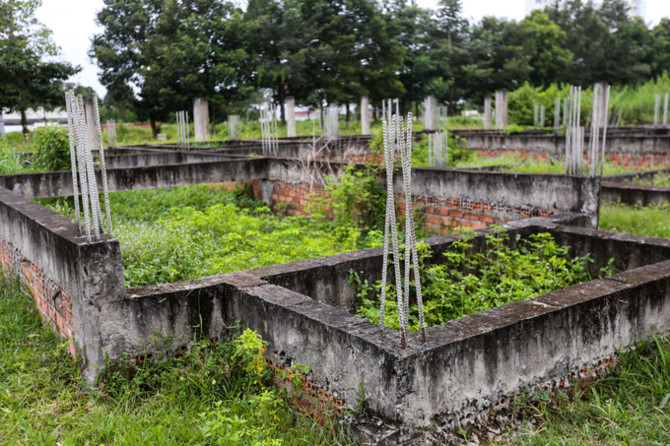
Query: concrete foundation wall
(69, 277)
(628, 149)
(467, 368)
(59, 184)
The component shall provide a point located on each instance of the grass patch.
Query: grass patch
(632, 406)
(653, 221)
(209, 396)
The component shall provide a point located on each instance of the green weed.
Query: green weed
(208, 395)
(466, 283)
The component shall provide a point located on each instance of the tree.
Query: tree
(27, 80)
(661, 36)
(158, 55)
(544, 42)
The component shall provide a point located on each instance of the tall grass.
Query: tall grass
(208, 396)
(630, 407)
(653, 221)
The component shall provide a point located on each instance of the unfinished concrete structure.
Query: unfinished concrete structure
(468, 368)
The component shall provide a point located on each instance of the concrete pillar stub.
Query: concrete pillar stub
(429, 120)
(2, 125)
(91, 125)
(365, 116)
(488, 114)
(201, 119)
(290, 117)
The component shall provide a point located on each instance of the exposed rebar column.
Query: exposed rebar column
(103, 166)
(542, 113)
(73, 149)
(657, 109)
(396, 139)
(535, 115)
(574, 134)
(79, 123)
(96, 214)
(390, 227)
(268, 121)
(365, 115)
(291, 130)
(487, 112)
(665, 109)
(557, 115)
(605, 101)
(110, 128)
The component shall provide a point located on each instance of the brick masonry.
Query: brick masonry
(53, 303)
(439, 215)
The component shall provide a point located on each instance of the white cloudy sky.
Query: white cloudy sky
(73, 25)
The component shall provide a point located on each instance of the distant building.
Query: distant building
(638, 8)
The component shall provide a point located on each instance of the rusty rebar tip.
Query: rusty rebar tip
(403, 344)
(423, 335)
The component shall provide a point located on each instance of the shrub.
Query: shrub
(52, 148)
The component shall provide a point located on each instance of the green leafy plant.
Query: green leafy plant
(466, 283)
(52, 148)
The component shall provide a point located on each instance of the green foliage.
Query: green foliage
(10, 160)
(355, 199)
(466, 282)
(205, 396)
(52, 148)
(635, 102)
(198, 231)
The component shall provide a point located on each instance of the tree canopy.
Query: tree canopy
(157, 55)
(30, 76)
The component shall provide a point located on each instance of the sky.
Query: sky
(73, 25)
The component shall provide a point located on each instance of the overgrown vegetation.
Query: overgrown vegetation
(214, 394)
(189, 232)
(635, 103)
(52, 148)
(653, 221)
(466, 283)
(632, 406)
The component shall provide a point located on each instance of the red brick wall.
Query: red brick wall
(53, 304)
(439, 214)
(295, 196)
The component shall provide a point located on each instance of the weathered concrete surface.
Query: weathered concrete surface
(553, 193)
(635, 194)
(554, 145)
(159, 159)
